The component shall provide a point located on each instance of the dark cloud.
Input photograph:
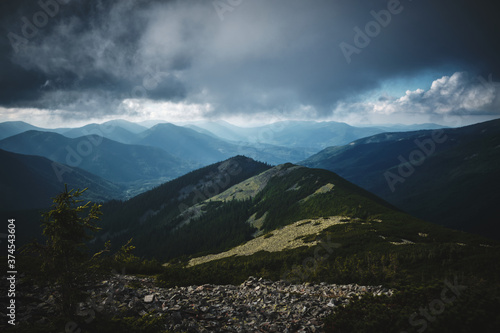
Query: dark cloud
(259, 56)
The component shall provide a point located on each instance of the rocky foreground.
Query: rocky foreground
(256, 305)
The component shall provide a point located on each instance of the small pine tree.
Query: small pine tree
(65, 262)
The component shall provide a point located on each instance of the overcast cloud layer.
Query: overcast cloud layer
(288, 59)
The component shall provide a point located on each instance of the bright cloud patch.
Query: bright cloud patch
(458, 94)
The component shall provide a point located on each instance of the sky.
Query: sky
(70, 62)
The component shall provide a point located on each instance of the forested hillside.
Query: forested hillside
(140, 216)
(449, 177)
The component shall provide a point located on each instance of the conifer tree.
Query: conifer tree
(66, 264)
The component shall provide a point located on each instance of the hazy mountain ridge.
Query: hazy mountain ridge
(121, 163)
(179, 141)
(115, 133)
(209, 148)
(310, 135)
(10, 128)
(205, 142)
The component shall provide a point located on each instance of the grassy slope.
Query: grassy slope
(282, 202)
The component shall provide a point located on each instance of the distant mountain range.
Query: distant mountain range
(310, 135)
(205, 142)
(180, 141)
(203, 148)
(447, 176)
(11, 128)
(118, 134)
(111, 160)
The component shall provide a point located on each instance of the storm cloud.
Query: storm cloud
(296, 58)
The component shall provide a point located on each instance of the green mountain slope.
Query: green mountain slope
(147, 217)
(196, 215)
(447, 176)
